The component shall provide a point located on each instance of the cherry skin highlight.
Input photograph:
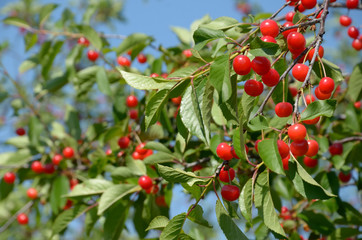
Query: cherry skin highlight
(131, 101)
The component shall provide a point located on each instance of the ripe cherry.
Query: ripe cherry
(309, 4)
(268, 39)
(123, 142)
(299, 148)
(83, 41)
(320, 95)
(131, 101)
(345, 20)
(153, 75)
(141, 148)
(283, 109)
(271, 78)
(241, 65)
(295, 41)
(141, 58)
(153, 189)
(49, 168)
(352, 4)
(20, 131)
(133, 114)
(9, 177)
(92, 55)
(136, 155)
(164, 75)
(269, 28)
(285, 162)
(285, 214)
(177, 100)
(187, 53)
(73, 182)
(160, 201)
(68, 152)
(344, 177)
(234, 153)
(300, 72)
(253, 88)
(230, 192)
(300, 8)
(148, 153)
(32, 193)
(196, 168)
(293, 91)
(37, 167)
(297, 132)
(223, 151)
(123, 61)
(260, 65)
(224, 175)
(312, 121)
(326, 85)
(357, 104)
(22, 219)
(336, 149)
(353, 32)
(145, 182)
(289, 16)
(287, 32)
(357, 44)
(310, 162)
(57, 158)
(283, 148)
(311, 53)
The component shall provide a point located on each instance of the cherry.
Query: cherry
(283, 148)
(141, 58)
(145, 182)
(160, 201)
(153, 189)
(295, 41)
(352, 3)
(164, 75)
(345, 20)
(20, 131)
(68, 204)
(344, 177)
(136, 155)
(336, 149)
(148, 153)
(357, 44)
(297, 132)
(196, 168)
(141, 148)
(320, 95)
(187, 53)
(92, 55)
(285, 214)
(268, 39)
(153, 75)
(269, 28)
(326, 85)
(300, 72)
(57, 158)
(123, 142)
(253, 88)
(271, 78)
(68, 152)
(37, 167)
(311, 53)
(177, 100)
(224, 175)
(310, 162)
(300, 8)
(283, 109)
(230, 192)
(353, 32)
(260, 65)
(129, 52)
(234, 153)
(73, 182)
(241, 65)
(123, 61)
(22, 219)
(133, 114)
(299, 148)
(357, 104)
(312, 121)
(49, 168)
(223, 151)
(131, 101)
(83, 41)
(9, 177)
(287, 32)
(309, 4)
(293, 91)
(313, 148)
(32, 193)
(285, 162)
(256, 145)
(289, 16)
(108, 151)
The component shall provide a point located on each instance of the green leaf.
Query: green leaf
(35, 130)
(159, 223)
(239, 142)
(344, 233)
(28, 64)
(115, 193)
(103, 83)
(72, 121)
(222, 23)
(332, 70)
(177, 175)
(260, 48)
(245, 107)
(245, 200)
(154, 107)
(63, 220)
(182, 34)
(89, 188)
(133, 41)
(121, 173)
(196, 215)
(47, 56)
(30, 40)
(220, 77)
(15, 159)
(354, 87)
(204, 35)
(60, 187)
(158, 147)
(144, 82)
(45, 12)
(352, 119)
(137, 167)
(269, 153)
(5, 189)
(258, 123)
(92, 36)
(159, 157)
(115, 221)
(91, 218)
(230, 229)
(319, 108)
(16, 22)
(18, 142)
(173, 228)
(317, 222)
(263, 201)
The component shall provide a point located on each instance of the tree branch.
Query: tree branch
(349, 139)
(280, 9)
(343, 5)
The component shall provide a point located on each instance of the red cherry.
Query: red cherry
(283, 109)
(73, 182)
(283, 148)
(285, 214)
(32, 193)
(309, 99)
(271, 78)
(241, 65)
(309, 4)
(141, 58)
(68, 204)
(187, 53)
(312, 121)
(300, 8)
(22, 219)
(268, 39)
(260, 65)
(68, 152)
(129, 52)
(160, 201)
(326, 85)
(164, 75)
(123, 142)
(153, 75)
(196, 168)
(345, 20)
(108, 151)
(357, 104)
(123, 61)
(230, 192)
(297, 132)
(310, 162)
(299, 148)
(269, 28)
(234, 153)
(37, 167)
(83, 41)
(20, 131)
(177, 100)
(49, 168)
(287, 32)
(133, 114)
(289, 16)
(148, 153)
(320, 14)
(295, 41)
(141, 148)
(9, 177)
(57, 158)
(293, 91)
(132, 101)
(300, 72)
(145, 182)
(253, 87)
(224, 175)
(285, 162)
(336, 149)
(352, 3)
(357, 44)
(311, 53)
(92, 55)
(223, 151)
(320, 95)
(136, 155)
(256, 145)
(152, 190)
(353, 32)
(344, 177)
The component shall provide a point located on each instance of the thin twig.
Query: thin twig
(280, 9)
(13, 217)
(343, 5)
(349, 139)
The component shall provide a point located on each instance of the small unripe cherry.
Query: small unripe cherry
(223, 151)
(310, 162)
(57, 158)
(224, 174)
(299, 148)
(269, 28)
(344, 177)
(345, 20)
(300, 72)
(187, 53)
(230, 192)
(336, 149)
(283, 149)
(353, 32)
(253, 88)
(22, 219)
(92, 55)
(145, 182)
(260, 65)
(68, 152)
(326, 85)
(271, 78)
(320, 95)
(297, 132)
(241, 65)
(9, 177)
(123, 61)
(268, 39)
(32, 193)
(20, 131)
(132, 101)
(123, 142)
(141, 58)
(283, 109)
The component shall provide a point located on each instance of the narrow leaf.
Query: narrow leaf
(103, 83)
(154, 107)
(143, 82)
(62, 221)
(354, 87)
(245, 200)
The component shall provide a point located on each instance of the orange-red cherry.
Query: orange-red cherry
(223, 151)
(297, 132)
(241, 65)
